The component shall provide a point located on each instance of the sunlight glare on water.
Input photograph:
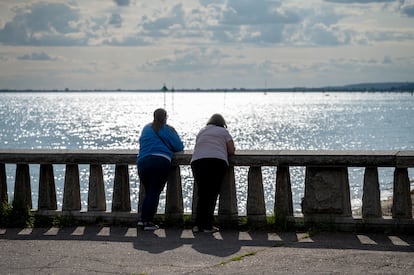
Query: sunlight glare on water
(257, 121)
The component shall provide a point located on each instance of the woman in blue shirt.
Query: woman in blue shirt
(157, 144)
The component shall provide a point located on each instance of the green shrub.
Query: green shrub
(15, 215)
(21, 216)
(5, 212)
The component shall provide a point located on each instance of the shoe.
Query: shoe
(213, 229)
(140, 223)
(197, 229)
(149, 226)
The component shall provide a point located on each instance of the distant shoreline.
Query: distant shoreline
(361, 87)
(287, 90)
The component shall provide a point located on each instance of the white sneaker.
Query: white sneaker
(149, 226)
(140, 223)
(213, 229)
(197, 229)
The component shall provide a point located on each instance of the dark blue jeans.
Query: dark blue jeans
(208, 175)
(153, 174)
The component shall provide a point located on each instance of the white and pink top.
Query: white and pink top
(211, 142)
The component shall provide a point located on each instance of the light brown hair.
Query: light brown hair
(217, 120)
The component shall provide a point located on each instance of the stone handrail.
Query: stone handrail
(326, 196)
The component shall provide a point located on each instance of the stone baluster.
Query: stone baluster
(3, 184)
(402, 204)
(256, 208)
(121, 200)
(22, 188)
(326, 194)
(174, 208)
(47, 189)
(228, 212)
(96, 192)
(71, 189)
(371, 199)
(283, 195)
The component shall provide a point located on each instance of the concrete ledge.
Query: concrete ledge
(342, 224)
(356, 158)
(357, 224)
(93, 216)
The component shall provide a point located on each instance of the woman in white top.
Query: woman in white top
(209, 164)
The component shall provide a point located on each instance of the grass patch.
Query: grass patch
(238, 258)
(64, 221)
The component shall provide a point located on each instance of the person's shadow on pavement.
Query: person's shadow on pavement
(158, 241)
(212, 244)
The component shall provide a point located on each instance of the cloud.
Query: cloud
(116, 20)
(43, 24)
(41, 56)
(122, 2)
(408, 10)
(245, 12)
(211, 2)
(320, 27)
(258, 23)
(130, 40)
(255, 22)
(387, 60)
(323, 35)
(165, 25)
(223, 42)
(359, 1)
(188, 60)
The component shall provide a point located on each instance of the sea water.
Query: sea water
(256, 120)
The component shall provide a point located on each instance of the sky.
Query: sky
(207, 44)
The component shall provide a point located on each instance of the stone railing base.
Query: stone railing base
(357, 224)
(340, 224)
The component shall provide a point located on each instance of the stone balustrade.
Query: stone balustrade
(326, 194)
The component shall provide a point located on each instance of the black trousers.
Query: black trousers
(153, 174)
(208, 175)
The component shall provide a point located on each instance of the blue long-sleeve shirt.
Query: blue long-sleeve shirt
(151, 144)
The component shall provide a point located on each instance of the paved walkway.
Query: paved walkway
(122, 250)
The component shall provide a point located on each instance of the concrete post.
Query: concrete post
(174, 208)
(3, 184)
(326, 193)
(283, 195)
(256, 208)
(371, 201)
(71, 191)
(22, 189)
(402, 204)
(121, 200)
(96, 192)
(228, 212)
(47, 189)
